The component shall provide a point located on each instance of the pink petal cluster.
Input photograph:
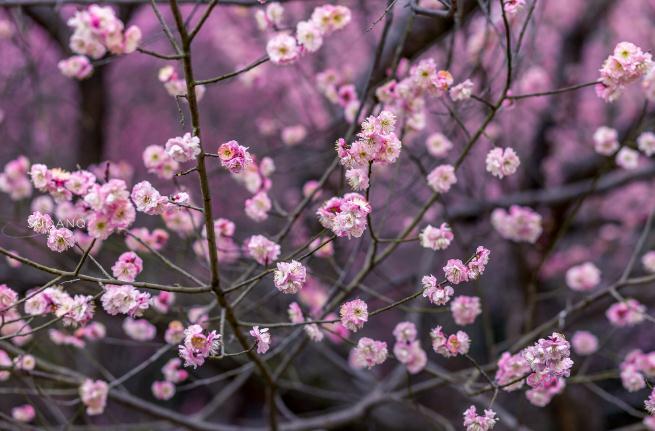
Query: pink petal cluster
(368, 353)
(512, 368)
(76, 66)
(94, 396)
(155, 239)
(583, 277)
(172, 371)
(97, 30)
(465, 309)
(24, 413)
(502, 162)
(437, 293)
(73, 310)
(163, 302)
(234, 157)
(262, 337)
(376, 142)
(163, 390)
(139, 329)
(158, 162)
(584, 343)
(258, 206)
(183, 148)
(542, 395)
(438, 145)
(197, 346)
(461, 91)
(174, 333)
(407, 349)
(646, 143)
(148, 199)
(283, 49)
(176, 86)
(627, 158)
(332, 84)
(442, 178)
(270, 16)
(626, 313)
(289, 277)
(625, 65)
(449, 346)
(519, 224)
(262, 249)
(124, 299)
(354, 314)
(475, 422)
(606, 141)
(456, 272)
(436, 238)
(549, 359)
(345, 216)
(127, 267)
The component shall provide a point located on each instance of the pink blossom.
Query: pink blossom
(77, 66)
(461, 91)
(478, 262)
(174, 333)
(649, 404)
(354, 314)
(646, 143)
(158, 162)
(436, 292)
(282, 49)
(24, 362)
(583, 277)
(345, 216)
(147, 199)
(549, 359)
(40, 223)
(183, 148)
(60, 240)
(626, 313)
(325, 250)
(411, 354)
(357, 178)
(442, 178)
(502, 162)
(263, 338)
(438, 145)
(448, 346)
(368, 353)
(309, 36)
(510, 369)
(163, 390)
(139, 329)
(584, 343)
(473, 421)
(8, 298)
(627, 158)
(289, 277)
(24, 413)
(124, 299)
(234, 157)
(197, 346)
(258, 206)
(261, 249)
(163, 302)
(128, 266)
(376, 142)
(465, 309)
(436, 238)
(456, 272)
(632, 379)
(405, 331)
(94, 396)
(606, 141)
(520, 224)
(648, 261)
(626, 64)
(172, 372)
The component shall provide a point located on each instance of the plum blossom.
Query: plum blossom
(626, 313)
(584, 343)
(449, 346)
(456, 272)
(124, 299)
(583, 277)
(510, 369)
(261, 249)
(648, 261)
(502, 162)
(163, 390)
(77, 66)
(368, 353)
(345, 216)
(520, 224)
(174, 333)
(354, 314)
(461, 91)
(234, 157)
(626, 64)
(40, 223)
(606, 141)
(649, 404)
(148, 199)
(646, 143)
(438, 145)
(24, 413)
(127, 267)
(436, 293)
(183, 148)
(473, 421)
(282, 49)
(292, 135)
(98, 30)
(442, 178)
(357, 178)
(549, 359)
(376, 142)
(262, 337)
(197, 346)
(61, 239)
(139, 329)
(627, 158)
(258, 206)
(94, 396)
(436, 238)
(289, 277)
(465, 309)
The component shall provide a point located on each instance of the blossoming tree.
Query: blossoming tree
(468, 237)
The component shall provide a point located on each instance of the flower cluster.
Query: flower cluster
(583, 277)
(442, 178)
(124, 299)
(549, 359)
(407, 349)
(128, 266)
(139, 329)
(625, 65)
(368, 353)
(289, 277)
(234, 157)
(183, 148)
(155, 240)
(24, 413)
(74, 310)
(258, 206)
(646, 143)
(376, 142)
(437, 293)
(354, 314)
(334, 86)
(502, 162)
(519, 224)
(626, 313)
(461, 91)
(94, 396)
(465, 309)
(296, 316)
(452, 345)
(77, 66)
(584, 343)
(285, 49)
(176, 86)
(512, 370)
(345, 216)
(475, 422)
(436, 238)
(98, 30)
(262, 249)
(606, 141)
(635, 367)
(262, 337)
(438, 145)
(197, 346)
(14, 180)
